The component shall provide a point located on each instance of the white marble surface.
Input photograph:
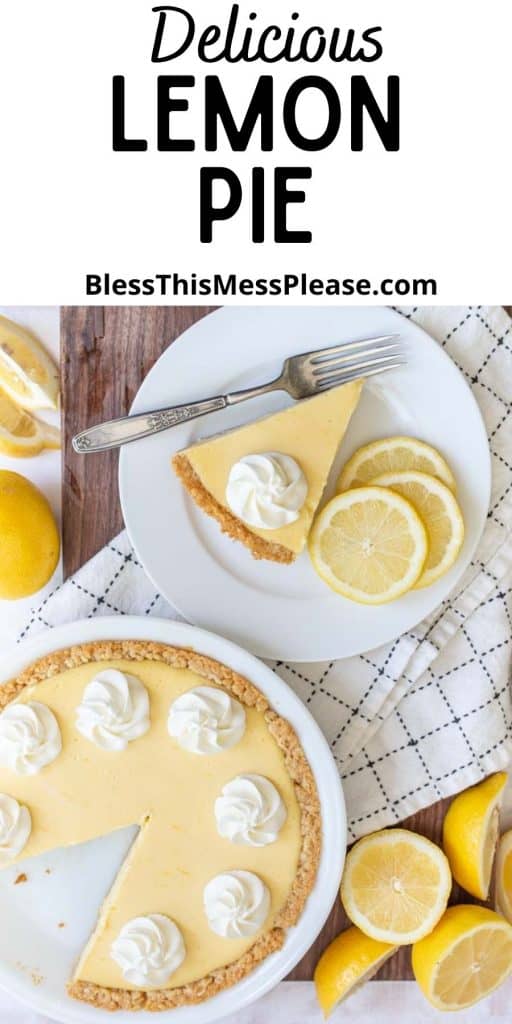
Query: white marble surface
(295, 1003)
(291, 1003)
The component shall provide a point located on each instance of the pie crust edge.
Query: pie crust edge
(229, 523)
(297, 766)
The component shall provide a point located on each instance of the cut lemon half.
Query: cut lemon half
(21, 434)
(346, 964)
(504, 876)
(369, 545)
(466, 957)
(470, 834)
(438, 508)
(395, 886)
(27, 373)
(393, 455)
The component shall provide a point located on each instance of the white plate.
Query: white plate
(37, 958)
(277, 611)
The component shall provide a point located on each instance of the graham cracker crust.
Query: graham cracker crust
(230, 524)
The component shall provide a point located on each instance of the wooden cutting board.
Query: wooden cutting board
(105, 354)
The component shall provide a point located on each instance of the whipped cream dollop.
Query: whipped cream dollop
(15, 828)
(266, 490)
(206, 721)
(236, 904)
(29, 737)
(250, 811)
(149, 950)
(114, 710)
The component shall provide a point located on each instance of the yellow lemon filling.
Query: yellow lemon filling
(170, 793)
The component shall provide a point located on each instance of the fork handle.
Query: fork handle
(115, 433)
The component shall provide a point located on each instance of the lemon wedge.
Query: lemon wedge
(394, 455)
(29, 538)
(467, 956)
(21, 434)
(470, 834)
(438, 508)
(27, 373)
(395, 886)
(504, 876)
(369, 545)
(346, 964)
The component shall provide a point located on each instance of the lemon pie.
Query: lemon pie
(263, 482)
(110, 734)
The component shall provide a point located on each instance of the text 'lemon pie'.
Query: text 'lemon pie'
(263, 482)
(105, 735)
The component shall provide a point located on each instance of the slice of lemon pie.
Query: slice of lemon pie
(263, 482)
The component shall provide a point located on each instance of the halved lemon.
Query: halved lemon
(470, 834)
(395, 886)
(346, 964)
(467, 956)
(438, 508)
(21, 434)
(504, 876)
(393, 455)
(27, 373)
(369, 545)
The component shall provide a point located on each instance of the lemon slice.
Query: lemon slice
(369, 545)
(504, 876)
(395, 886)
(435, 504)
(27, 373)
(21, 434)
(393, 455)
(470, 834)
(466, 957)
(346, 964)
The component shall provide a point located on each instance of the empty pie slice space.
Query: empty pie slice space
(106, 735)
(263, 482)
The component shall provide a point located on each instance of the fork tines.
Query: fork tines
(342, 363)
(350, 350)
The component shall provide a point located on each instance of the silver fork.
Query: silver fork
(302, 376)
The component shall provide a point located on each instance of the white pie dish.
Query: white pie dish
(37, 957)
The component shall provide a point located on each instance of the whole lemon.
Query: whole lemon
(29, 538)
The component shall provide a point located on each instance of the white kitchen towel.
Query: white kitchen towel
(430, 713)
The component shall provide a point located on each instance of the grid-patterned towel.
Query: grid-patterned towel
(431, 713)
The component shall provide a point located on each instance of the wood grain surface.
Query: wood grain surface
(105, 354)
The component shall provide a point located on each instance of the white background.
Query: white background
(69, 205)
